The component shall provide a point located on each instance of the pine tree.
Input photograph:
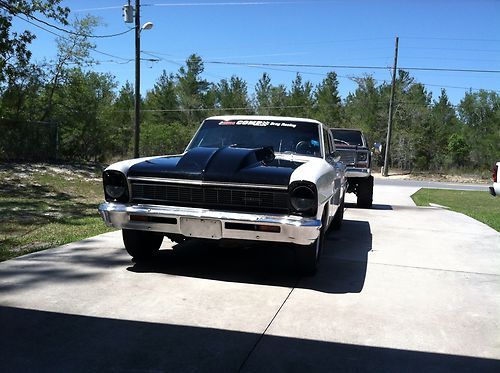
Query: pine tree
(162, 100)
(232, 95)
(328, 106)
(300, 98)
(191, 89)
(263, 95)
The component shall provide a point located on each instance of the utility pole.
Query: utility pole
(391, 112)
(137, 127)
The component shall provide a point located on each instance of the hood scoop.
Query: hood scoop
(227, 160)
(196, 160)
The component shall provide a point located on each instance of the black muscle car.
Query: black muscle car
(251, 178)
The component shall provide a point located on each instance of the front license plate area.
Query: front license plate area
(201, 228)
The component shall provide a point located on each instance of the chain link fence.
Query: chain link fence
(27, 140)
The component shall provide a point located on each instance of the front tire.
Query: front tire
(307, 256)
(141, 245)
(339, 216)
(365, 192)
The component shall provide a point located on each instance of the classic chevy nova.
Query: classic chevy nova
(251, 178)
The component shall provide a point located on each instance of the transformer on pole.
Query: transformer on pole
(128, 13)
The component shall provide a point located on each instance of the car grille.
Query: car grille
(348, 157)
(228, 198)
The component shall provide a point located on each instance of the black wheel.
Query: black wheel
(365, 192)
(141, 244)
(339, 216)
(307, 256)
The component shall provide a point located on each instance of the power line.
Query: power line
(311, 73)
(453, 39)
(352, 78)
(267, 65)
(15, 11)
(451, 70)
(455, 49)
(270, 64)
(246, 3)
(449, 59)
(110, 55)
(37, 25)
(127, 61)
(377, 80)
(100, 8)
(350, 67)
(65, 38)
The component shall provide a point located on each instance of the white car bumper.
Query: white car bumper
(211, 224)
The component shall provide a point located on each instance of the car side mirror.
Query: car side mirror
(377, 148)
(336, 156)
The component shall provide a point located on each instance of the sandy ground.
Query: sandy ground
(439, 177)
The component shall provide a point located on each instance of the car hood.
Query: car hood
(229, 164)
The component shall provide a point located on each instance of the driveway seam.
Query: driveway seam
(267, 327)
(416, 267)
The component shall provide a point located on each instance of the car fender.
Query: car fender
(325, 177)
(124, 166)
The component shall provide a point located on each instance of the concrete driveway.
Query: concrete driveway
(400, 288)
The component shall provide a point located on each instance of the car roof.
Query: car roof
(347, 129)
(263, 117)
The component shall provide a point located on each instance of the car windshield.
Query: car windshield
(292, 137)
(347, 137)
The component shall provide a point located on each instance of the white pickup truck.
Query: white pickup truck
(495, 189)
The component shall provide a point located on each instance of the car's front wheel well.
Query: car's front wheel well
(323, 212)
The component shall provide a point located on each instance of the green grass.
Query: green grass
(478, 205)
(43, 206)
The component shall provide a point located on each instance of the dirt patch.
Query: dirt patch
(90, 172)
(439, 177)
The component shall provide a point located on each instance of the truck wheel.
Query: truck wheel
(365, 192)
(339, 216)
(307, 256)
(141, 244)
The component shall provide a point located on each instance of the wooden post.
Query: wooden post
(391, 112)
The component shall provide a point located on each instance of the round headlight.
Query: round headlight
(115, 191)
(115, 186)
(303, 198)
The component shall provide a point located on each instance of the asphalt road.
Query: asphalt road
(400, 288)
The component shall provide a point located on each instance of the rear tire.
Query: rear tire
(365, 192)
(141, 245)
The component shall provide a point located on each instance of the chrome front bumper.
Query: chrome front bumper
(185, 220)
(357, 172)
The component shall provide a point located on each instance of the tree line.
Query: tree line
(94, 115)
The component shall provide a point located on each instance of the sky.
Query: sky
(456, 34)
